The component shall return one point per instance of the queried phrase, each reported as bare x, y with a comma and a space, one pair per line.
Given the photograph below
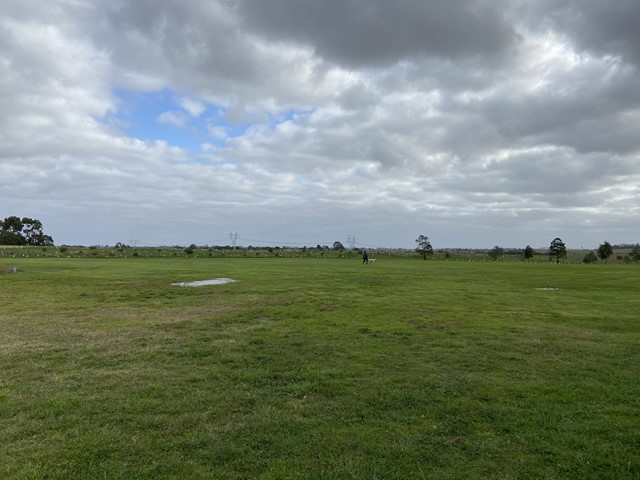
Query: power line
234, 238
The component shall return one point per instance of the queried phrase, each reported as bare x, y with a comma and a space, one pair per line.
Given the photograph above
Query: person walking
365, 257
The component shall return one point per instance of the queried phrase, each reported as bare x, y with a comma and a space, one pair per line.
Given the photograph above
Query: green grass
318, 368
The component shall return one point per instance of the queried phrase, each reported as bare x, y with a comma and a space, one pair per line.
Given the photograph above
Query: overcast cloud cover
297, 122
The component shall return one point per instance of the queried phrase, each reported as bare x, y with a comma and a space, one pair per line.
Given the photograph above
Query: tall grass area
318, 368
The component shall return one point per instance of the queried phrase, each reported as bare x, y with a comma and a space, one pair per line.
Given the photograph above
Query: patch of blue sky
161, 116
156, 116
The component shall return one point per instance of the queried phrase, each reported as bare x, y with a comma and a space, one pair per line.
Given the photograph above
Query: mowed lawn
310, 368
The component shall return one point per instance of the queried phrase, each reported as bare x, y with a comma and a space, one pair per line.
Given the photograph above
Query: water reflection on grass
200, 283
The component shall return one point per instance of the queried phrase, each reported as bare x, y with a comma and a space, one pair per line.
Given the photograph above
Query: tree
496, 252
11, 224
635, 253
605, 251
33, 234
528, 252
557, 249
424, 246
590, 258
11, 238
338, 246
25, 231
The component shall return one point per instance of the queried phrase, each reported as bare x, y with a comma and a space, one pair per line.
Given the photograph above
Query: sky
302, 122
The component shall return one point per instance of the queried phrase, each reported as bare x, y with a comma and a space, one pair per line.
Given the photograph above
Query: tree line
23, 231
557, 250
29, 231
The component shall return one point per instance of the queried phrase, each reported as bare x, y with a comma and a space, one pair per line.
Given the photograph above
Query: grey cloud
200, 48
607, 28
377, 33
156, 36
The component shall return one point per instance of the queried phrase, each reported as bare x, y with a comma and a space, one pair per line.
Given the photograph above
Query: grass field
318, 368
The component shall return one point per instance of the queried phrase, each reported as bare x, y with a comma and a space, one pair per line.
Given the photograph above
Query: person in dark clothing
365, 257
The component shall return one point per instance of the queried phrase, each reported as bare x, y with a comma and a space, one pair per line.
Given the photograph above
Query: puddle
200, 283
548, 289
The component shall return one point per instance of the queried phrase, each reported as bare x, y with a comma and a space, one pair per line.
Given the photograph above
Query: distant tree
635, 253
25, 231
11, 238
557, 249
338, 246
33, 234
12, 224
528, 252
590, 258
605, 251
495, 253
424, 246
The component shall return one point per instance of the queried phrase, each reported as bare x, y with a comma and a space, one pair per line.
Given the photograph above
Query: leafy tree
590, 258
528, 252
338, 246
424, 246
25, 231
12, 224
33, 234
557, 249
11, 238
496, 252
635, 253
605, 251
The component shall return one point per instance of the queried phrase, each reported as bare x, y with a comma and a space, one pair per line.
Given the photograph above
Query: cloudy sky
298, 122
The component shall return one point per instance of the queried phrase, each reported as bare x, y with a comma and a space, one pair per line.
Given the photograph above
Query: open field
318, 368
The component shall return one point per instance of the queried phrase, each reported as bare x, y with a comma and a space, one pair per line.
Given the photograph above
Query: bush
495, 253
590, 257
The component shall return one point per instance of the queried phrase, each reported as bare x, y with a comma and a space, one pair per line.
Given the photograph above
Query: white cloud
194, 107
176, 119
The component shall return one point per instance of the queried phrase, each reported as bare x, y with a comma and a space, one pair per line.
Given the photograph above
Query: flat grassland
318, 368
